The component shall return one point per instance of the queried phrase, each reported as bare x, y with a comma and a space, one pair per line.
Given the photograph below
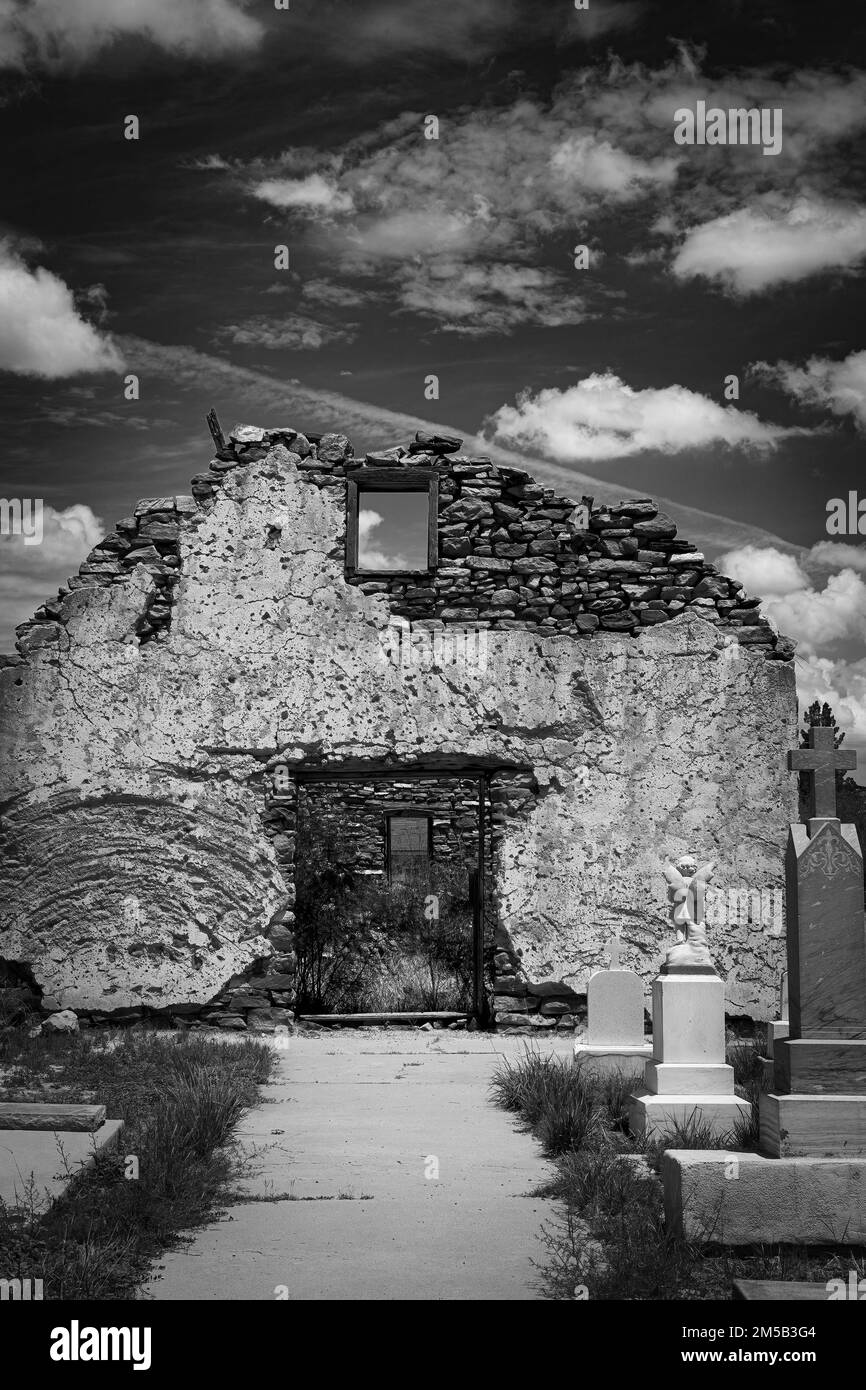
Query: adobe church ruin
221, 653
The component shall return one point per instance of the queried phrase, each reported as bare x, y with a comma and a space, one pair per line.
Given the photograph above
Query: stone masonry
633, 705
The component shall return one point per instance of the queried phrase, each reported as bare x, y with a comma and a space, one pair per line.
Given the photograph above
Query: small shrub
747, 1062
690, 1133
611, 1237
553, 1097
615, 1090
746, 1132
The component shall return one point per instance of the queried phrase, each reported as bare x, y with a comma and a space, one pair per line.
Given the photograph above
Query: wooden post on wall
479, 998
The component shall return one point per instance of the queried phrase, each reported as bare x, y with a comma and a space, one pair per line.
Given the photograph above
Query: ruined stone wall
215, 636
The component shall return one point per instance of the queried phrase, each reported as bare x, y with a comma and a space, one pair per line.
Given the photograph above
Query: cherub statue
687, 886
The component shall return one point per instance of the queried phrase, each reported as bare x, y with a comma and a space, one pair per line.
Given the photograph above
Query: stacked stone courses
512, 554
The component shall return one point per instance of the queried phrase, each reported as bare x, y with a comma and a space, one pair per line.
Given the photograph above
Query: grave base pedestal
813, 1125
606, 1059
688, 1078
653, 1115
677, 1079
820, 1066
747, 1199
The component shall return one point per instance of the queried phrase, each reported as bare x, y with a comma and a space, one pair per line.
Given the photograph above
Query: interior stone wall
355, 813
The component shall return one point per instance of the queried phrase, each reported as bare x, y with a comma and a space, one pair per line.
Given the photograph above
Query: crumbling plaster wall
135, 870
676, 747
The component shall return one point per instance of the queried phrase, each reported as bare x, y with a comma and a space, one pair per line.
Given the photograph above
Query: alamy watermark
743, 907
432, 648
846, 516
22, 517
77, 1343
736, 126
21, 1290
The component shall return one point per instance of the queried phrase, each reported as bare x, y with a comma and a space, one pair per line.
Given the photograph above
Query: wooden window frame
392, 480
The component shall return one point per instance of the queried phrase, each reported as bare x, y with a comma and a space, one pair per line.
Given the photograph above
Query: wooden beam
479, 1000
394, 479
215, 428
467, 771
443, 1016
351, 527
433, 525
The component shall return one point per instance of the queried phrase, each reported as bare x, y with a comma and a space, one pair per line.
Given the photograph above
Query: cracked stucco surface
135, 869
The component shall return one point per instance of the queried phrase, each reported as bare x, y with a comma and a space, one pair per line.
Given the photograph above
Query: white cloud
839, 387
368, 520
29, 574
41, 331
603, 418
820, 109
315, 194
838, 555
209, 161
338, 296
296, 332
814, 617
475, 299
68, 33
504, 181
369, 557
408, 233
817, 618
593, 164
773, 242
765, 571
471, 208
842, 684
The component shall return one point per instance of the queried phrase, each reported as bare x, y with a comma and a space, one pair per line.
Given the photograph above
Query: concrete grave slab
734, 1198
42, 1163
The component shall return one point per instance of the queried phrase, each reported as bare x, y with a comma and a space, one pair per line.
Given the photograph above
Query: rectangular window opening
409, 847
392, 524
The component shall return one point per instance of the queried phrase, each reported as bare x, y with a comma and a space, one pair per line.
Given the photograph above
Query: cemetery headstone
615, 1039
818, 1105
688, 1080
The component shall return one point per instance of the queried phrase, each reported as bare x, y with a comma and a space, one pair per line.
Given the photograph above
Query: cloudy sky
411, 257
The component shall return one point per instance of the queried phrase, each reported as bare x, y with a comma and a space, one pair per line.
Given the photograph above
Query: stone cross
822, 759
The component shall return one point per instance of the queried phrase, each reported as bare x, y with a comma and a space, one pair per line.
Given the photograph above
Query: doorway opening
393, 893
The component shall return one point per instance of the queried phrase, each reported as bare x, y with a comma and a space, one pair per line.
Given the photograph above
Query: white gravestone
688, 1078
615, 1038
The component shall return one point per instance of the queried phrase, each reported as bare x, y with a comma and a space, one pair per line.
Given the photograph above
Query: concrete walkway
345, 1202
